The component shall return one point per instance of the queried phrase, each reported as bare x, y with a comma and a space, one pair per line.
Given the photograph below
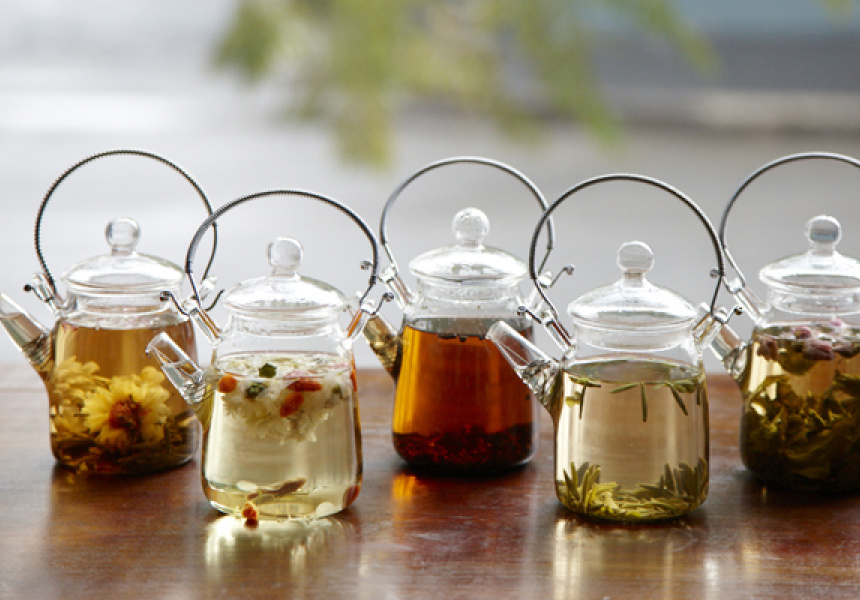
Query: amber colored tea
111, 409
459, 406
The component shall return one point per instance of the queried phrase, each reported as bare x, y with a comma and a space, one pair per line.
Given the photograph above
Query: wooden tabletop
407, 536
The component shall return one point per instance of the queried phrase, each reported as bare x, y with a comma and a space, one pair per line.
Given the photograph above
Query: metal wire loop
383, 234
49, 279
790, 158
210, 222
533, 272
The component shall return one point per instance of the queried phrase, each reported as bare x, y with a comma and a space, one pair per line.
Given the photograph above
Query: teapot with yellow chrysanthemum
111, 410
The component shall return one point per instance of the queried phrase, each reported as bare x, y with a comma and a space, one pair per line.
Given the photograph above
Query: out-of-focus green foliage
352, 62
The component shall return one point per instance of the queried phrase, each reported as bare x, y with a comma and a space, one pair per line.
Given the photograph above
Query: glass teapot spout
31, 337
386, 344
712, 331
189, 379
537, 370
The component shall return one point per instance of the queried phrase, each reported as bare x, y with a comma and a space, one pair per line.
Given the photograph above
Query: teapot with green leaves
628, 397
799, 373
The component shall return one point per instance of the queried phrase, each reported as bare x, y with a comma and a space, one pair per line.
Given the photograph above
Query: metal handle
210, 221
383, 235
718, 272
755, 174
49, 279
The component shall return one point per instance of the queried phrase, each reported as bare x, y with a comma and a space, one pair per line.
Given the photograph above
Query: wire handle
383, 235
49, 279
210, 222
718, 272
754, 175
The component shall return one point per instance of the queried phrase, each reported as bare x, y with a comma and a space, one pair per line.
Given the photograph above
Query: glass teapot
278, 403
110, 410
458, 407
628, 398
799, 374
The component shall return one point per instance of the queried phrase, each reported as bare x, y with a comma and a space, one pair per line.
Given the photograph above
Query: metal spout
30, 336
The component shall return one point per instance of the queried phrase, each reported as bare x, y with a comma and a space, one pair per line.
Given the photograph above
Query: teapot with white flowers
278, 402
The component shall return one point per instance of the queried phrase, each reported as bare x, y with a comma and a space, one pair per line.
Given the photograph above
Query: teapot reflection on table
279, 401
628, 398
458, 407
110, 410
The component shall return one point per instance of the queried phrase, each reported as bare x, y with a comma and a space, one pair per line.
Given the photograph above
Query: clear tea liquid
111, 409
800, 426
284, 438
460, 407
631, 439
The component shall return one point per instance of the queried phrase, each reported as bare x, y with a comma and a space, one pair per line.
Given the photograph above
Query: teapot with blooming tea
110, 409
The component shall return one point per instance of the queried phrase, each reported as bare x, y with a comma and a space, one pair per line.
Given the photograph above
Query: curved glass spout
31, 337
386, 344
189, 379
537, 370
712, 331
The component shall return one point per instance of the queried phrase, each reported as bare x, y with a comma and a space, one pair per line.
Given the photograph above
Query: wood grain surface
408, 535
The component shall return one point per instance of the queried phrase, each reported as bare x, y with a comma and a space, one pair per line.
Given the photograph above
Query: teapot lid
123, 270
632, 302
285, 294
821, 270
469, 261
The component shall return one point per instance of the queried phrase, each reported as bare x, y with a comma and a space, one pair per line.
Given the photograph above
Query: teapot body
800, 373
111, 410
283, 436
800, 421
458, 405
631, 436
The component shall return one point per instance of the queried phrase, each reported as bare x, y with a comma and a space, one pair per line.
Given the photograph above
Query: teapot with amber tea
799, 373
278, 402
628, 398
111, 410
458, 406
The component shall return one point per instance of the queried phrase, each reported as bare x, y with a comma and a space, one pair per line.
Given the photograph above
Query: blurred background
348, 98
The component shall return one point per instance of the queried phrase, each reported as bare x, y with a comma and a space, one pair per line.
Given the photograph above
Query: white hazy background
80, 78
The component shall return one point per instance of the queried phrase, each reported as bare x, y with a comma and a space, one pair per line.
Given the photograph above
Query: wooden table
407, 536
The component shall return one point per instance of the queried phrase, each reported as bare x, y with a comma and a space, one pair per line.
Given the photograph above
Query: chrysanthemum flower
74, 380
130, 410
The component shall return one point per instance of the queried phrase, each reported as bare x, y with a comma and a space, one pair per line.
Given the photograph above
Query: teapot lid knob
470, 227
285, 256
122, 235
635, 258
823, 232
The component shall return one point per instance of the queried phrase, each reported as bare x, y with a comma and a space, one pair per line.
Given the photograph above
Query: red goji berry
305, 384
227, 384
292, 403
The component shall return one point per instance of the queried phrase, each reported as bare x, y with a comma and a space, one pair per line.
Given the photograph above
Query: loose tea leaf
796, 432
677, 492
